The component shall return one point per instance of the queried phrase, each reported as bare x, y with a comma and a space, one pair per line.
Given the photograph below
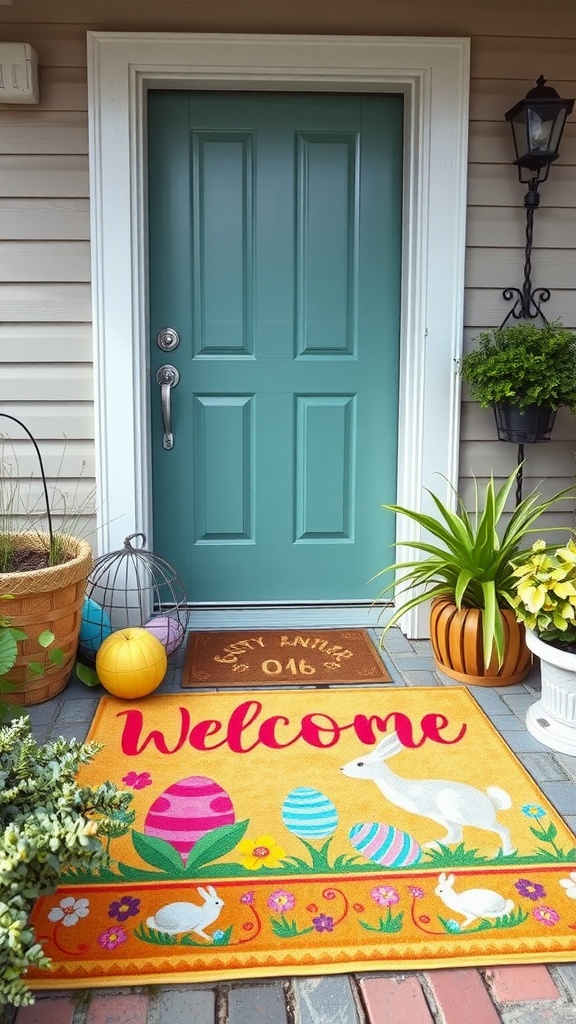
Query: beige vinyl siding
45, 341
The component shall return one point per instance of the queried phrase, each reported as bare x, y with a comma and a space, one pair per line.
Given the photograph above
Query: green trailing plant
48, 824
543, 593
523, 364
10, 637
469, 557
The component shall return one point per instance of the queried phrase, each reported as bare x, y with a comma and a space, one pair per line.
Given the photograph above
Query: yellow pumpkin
131, 663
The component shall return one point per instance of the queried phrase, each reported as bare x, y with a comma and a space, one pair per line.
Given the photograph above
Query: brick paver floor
513, 994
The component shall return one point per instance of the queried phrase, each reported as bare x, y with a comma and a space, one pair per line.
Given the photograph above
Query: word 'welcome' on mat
245, 658
314, 831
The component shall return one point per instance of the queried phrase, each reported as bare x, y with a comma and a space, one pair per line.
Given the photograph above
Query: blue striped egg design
385, 844
309, 814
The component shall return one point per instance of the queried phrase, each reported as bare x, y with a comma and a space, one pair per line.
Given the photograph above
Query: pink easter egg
168, 630
188, 810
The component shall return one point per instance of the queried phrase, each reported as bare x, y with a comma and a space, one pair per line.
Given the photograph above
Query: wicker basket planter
42, 599
456, 638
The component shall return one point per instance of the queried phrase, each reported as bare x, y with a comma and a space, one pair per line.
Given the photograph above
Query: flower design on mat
281, 901
546, 915
247, 898
533, 811
125, 907
218, 935
138, 780
416, 892
323, 923
112, 938
69, 911
532, 890
261, 852
385, 895
569, 884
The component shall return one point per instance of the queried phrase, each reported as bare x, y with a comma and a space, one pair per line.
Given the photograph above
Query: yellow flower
260, 852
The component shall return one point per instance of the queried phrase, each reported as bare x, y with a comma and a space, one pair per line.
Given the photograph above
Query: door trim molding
433, 75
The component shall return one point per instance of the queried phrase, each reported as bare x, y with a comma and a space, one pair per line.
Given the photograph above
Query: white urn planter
552, 719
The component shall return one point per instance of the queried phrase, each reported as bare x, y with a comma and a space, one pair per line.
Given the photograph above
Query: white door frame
433, 76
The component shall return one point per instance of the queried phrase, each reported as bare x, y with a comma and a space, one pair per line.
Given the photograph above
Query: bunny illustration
175, 918
452, 804
472, 903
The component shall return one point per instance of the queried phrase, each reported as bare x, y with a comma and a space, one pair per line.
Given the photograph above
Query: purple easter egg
188, 810
168, 630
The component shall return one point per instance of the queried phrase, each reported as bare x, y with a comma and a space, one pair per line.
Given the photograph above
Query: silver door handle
167, 377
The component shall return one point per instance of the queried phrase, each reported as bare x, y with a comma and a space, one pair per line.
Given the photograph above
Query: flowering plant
545, 593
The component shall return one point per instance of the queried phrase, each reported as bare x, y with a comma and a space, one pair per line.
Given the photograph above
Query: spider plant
471, 564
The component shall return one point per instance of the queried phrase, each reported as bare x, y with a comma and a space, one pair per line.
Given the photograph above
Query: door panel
275, 228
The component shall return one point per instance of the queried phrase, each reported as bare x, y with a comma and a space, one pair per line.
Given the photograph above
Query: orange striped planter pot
457, 642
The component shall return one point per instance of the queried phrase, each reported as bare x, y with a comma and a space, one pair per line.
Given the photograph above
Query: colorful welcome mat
243, 658
321, 831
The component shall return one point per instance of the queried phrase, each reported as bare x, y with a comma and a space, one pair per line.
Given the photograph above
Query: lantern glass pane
557, 129
520, 134
540, 124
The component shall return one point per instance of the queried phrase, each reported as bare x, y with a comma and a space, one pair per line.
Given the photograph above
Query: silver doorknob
167, 377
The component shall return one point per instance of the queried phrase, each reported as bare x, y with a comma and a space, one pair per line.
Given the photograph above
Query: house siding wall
45, 309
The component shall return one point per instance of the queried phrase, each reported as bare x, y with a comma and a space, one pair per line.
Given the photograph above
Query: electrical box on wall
18, 73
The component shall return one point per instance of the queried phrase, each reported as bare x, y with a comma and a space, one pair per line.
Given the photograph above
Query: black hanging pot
530, 425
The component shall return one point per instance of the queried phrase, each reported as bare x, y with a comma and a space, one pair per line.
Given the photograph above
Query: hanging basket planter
531, 425
456, 637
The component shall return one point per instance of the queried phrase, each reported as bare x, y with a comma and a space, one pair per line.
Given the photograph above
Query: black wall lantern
537, 124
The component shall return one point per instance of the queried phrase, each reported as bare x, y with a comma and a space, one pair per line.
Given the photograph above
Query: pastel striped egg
384, 844
309, 814
188, 810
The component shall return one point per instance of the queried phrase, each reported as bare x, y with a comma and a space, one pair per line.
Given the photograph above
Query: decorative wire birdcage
133, 587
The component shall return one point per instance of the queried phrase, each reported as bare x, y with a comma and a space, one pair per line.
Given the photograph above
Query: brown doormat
241, 658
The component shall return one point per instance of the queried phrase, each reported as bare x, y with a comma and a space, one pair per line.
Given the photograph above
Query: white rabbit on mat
452, 804
176, 918
473, 903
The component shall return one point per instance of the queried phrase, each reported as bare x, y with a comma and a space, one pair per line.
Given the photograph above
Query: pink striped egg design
385, 844
188, 810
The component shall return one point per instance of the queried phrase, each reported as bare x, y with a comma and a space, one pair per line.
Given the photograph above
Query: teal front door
275, 249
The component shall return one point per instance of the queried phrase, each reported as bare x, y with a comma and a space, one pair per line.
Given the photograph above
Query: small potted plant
544, 599
48, 824
525, 373
467, 574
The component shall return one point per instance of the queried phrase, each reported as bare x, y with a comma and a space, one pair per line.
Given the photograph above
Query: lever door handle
167, 377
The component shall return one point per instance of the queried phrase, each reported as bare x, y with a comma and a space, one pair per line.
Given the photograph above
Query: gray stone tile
506, 723
522, 742
396, 643
489, 701
539, 1013
519, 703
77, 711
543, 768
568, 763
423, 648
325, 1001
406, 662
43, 714
415, 678
73, 731
562, 795
566, 974
185, 1005
255, 1003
